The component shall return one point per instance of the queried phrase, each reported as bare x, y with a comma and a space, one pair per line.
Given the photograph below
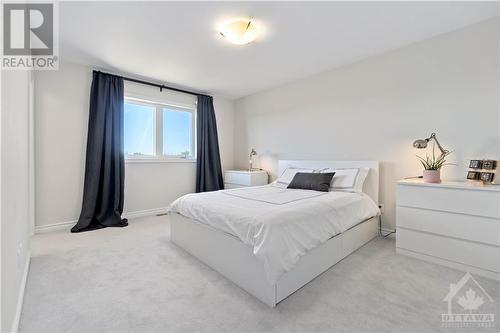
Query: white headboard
372, 180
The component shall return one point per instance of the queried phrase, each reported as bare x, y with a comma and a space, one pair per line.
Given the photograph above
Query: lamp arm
433, 137
250, 160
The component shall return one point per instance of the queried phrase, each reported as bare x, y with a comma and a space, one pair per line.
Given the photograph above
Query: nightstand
241, 178
456, 224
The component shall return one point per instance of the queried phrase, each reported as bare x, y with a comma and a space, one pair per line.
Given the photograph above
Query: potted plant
432, 166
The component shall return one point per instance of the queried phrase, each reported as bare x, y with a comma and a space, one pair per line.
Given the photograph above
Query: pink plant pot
432, 176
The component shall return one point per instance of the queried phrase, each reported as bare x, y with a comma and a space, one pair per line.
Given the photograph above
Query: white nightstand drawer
238, 178
228, 186
468, 201
455, 250
476, 228
245, 178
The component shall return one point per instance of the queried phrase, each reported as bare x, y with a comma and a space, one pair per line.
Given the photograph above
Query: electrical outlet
381, 206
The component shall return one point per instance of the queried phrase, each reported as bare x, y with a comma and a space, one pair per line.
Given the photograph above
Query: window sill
159, 160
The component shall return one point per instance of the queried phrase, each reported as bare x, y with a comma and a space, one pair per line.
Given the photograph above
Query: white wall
374, 109
15, 192
62, 102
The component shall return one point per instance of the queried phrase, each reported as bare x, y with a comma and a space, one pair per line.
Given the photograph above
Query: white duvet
280, 224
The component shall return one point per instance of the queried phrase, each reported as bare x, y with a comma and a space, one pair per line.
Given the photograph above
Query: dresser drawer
459, 251
476, 228
472, 202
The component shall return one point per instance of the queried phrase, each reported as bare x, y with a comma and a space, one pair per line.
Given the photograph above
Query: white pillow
360, 181
348, 179
287, 175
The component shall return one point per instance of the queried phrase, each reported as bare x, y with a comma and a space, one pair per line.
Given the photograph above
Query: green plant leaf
433, 162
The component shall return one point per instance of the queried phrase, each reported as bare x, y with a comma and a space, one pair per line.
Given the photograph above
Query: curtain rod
161, 86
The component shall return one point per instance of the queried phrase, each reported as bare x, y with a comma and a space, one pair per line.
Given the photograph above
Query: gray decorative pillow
312, 181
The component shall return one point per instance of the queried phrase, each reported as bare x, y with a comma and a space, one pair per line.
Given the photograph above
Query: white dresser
456, 224
242, 178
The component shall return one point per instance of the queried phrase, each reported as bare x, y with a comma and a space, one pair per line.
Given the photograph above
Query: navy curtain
104, 168
208, 166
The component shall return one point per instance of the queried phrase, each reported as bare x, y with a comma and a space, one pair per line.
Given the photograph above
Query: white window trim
158, 140
159, 160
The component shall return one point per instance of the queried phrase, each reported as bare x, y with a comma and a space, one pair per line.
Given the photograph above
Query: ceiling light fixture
239, 31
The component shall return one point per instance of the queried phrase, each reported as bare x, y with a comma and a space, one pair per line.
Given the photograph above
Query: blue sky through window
140, 130
177, 126
139, 127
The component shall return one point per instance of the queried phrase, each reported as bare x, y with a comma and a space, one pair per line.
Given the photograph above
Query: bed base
233, 259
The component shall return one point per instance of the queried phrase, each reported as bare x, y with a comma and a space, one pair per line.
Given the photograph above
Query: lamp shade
420, 144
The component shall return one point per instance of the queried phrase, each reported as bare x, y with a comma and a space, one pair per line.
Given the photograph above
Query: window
177, 132
139, 129
156, 131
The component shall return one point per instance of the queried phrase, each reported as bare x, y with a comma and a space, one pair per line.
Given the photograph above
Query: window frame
159, 105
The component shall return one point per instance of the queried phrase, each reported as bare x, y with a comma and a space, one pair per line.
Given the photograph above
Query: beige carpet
134, 280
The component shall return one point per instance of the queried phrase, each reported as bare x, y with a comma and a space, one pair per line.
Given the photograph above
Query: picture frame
486, 177
489, 165
476, 164
473, 175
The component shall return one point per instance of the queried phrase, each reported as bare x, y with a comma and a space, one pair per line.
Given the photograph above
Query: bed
218, 228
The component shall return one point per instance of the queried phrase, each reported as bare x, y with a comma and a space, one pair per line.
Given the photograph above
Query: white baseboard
68, 224
39, 229
20, 297
147, 212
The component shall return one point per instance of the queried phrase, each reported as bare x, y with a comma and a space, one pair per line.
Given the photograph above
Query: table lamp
422, 144
252, 154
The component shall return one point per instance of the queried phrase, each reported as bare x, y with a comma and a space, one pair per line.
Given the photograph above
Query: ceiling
178, 43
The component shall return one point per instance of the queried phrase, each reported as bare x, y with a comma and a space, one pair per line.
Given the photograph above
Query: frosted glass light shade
238, 31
